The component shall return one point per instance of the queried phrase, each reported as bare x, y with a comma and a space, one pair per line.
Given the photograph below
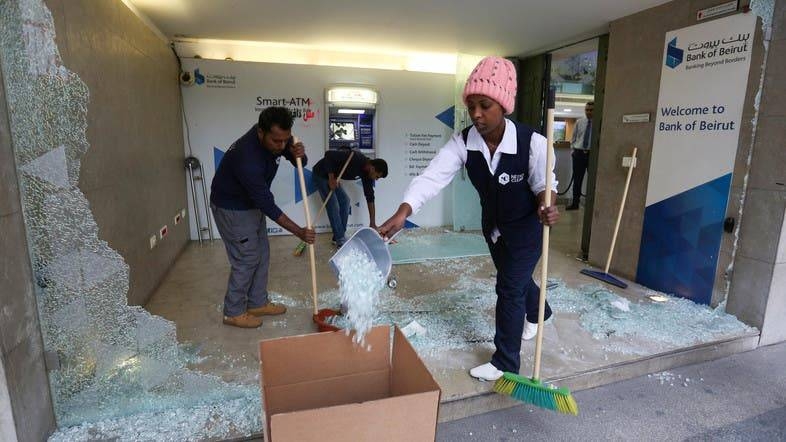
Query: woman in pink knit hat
506, 163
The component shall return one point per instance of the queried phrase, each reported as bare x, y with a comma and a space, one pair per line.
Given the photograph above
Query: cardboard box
322, 387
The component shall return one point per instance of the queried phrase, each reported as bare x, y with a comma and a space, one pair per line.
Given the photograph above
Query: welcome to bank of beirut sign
704, 76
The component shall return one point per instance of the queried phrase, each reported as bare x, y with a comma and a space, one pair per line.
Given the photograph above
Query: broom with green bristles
302, 246
522, 388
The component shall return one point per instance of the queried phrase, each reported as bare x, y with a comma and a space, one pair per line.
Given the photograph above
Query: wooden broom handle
622, 206
311, 255
544, 258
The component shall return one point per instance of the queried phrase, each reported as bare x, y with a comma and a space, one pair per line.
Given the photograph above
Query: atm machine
351, 122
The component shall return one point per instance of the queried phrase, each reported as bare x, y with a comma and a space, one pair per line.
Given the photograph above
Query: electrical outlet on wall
153, 241
626, 162
163, 232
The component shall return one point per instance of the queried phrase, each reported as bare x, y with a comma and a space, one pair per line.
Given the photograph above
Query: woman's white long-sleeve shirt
453, 156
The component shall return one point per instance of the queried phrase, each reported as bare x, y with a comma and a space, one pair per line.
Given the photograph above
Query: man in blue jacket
240, 198
325, 177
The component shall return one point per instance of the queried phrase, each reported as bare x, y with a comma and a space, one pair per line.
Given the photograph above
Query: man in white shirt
580, 143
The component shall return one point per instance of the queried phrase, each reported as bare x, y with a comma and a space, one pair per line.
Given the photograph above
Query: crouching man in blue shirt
326, 173
240, 198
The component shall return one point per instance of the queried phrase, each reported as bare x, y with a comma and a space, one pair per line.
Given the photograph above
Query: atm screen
342, 131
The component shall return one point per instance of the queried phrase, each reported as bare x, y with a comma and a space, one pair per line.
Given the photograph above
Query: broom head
534, 392
299, 249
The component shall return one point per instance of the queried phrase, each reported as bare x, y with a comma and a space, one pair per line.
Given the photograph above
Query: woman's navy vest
506, 199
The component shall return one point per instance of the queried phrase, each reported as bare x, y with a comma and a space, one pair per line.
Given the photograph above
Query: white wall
409, 102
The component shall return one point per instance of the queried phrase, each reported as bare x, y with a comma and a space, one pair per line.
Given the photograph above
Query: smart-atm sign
302, 108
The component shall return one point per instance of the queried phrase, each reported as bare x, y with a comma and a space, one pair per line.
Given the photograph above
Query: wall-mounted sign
420, 150
352, 95
704, 73
714, 11
636, 118
219, 115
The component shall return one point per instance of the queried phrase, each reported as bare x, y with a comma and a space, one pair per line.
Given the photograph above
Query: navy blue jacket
506, 200
243, 178
333, 162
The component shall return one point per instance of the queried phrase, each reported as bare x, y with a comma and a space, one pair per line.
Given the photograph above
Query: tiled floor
192, 295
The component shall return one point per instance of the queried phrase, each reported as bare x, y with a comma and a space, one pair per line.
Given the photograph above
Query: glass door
466, 203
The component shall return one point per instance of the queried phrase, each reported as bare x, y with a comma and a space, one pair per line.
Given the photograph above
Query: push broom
311, 253
604, 275
319, 315
302, 246
533, 390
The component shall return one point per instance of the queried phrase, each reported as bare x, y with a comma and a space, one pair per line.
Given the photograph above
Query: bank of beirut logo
674, 54
198, 78
504, 178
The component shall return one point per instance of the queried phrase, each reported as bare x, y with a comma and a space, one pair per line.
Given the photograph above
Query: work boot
271, 308
243, 320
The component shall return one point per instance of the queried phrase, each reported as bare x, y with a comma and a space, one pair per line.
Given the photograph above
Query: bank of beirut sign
708, 53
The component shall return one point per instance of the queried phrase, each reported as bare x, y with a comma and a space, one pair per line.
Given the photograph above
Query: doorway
577, 73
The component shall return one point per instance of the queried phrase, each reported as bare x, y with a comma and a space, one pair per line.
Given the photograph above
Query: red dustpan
323, 319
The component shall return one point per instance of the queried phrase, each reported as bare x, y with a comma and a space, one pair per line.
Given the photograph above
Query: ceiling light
317, 55
567, 110
351, 111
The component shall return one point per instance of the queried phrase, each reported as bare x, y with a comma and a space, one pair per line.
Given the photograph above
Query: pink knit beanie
494, 77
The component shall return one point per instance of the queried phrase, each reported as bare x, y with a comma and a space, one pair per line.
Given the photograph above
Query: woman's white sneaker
530, 330
486, 372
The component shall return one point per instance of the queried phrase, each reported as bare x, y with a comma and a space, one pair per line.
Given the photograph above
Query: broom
532, 390
302, 246
605, 276
311, 253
